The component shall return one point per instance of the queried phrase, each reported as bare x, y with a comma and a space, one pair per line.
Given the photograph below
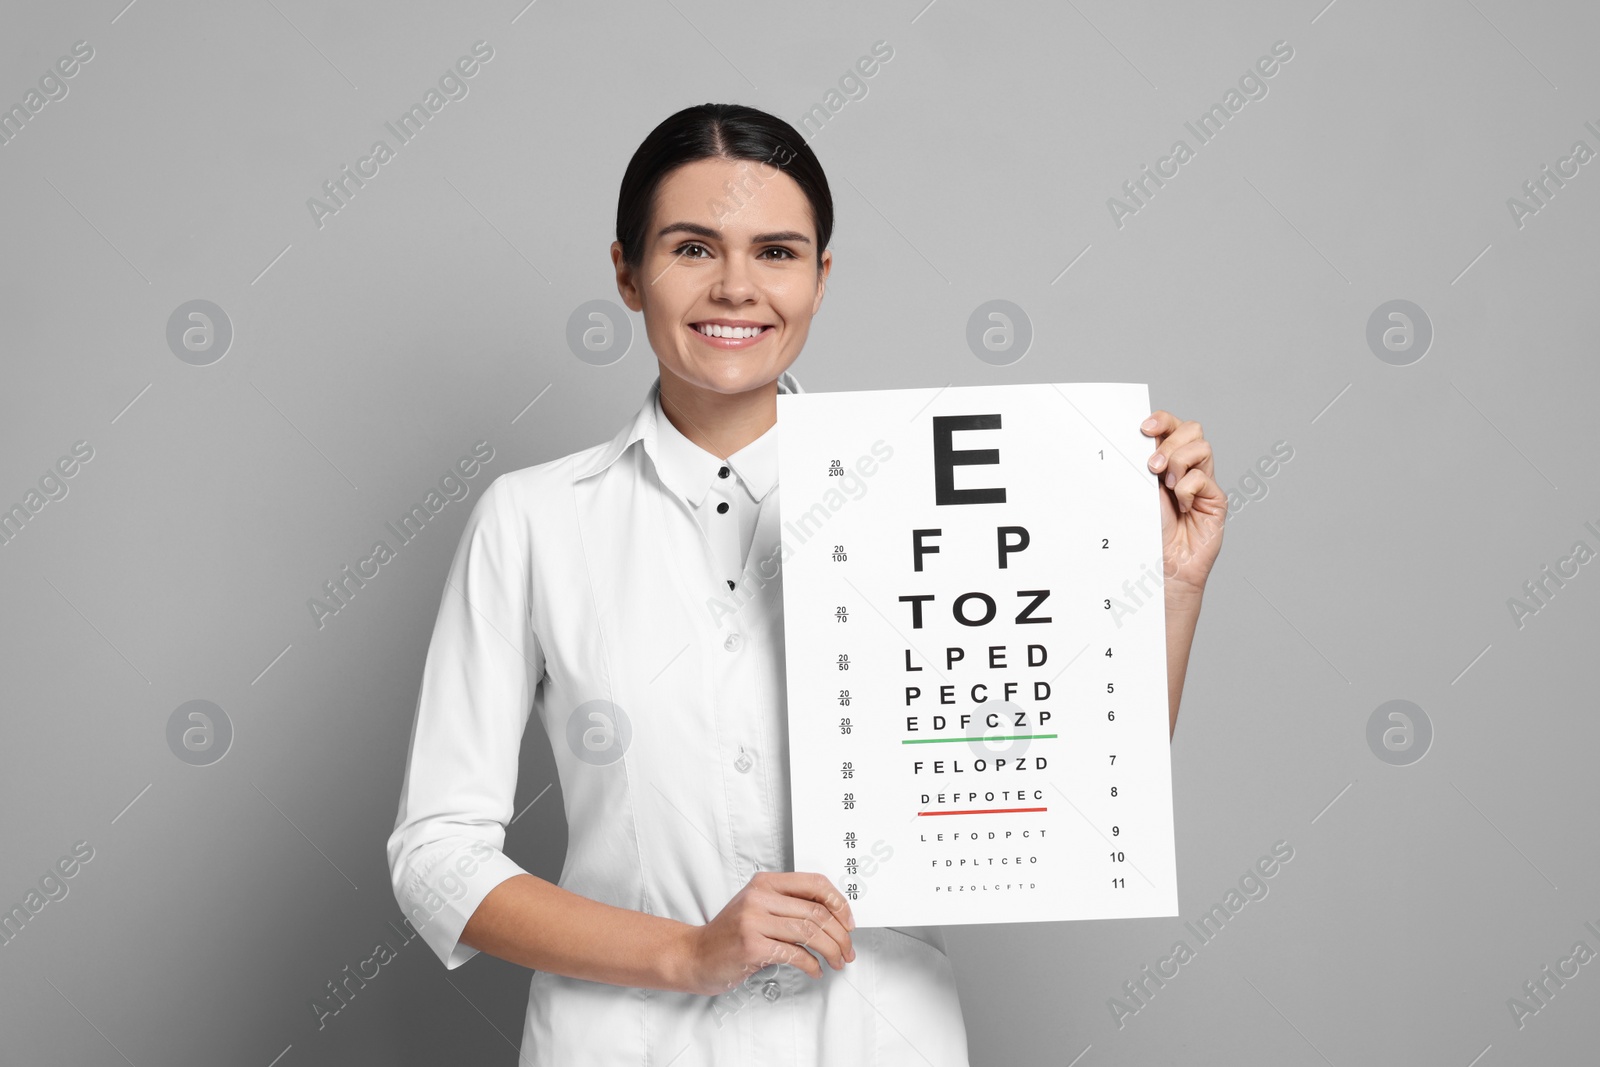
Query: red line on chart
981, 811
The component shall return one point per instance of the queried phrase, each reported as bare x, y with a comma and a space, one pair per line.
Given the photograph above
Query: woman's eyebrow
710, 234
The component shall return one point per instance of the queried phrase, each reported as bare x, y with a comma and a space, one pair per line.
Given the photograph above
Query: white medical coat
584, 591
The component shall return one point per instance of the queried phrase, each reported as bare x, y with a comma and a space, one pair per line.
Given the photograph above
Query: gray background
370, 353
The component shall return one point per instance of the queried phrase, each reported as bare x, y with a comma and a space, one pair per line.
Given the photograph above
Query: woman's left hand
1193, 506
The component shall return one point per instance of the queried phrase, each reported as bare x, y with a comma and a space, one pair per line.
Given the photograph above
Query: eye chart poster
975, 650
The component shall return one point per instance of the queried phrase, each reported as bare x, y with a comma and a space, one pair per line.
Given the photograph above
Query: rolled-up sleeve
483, 665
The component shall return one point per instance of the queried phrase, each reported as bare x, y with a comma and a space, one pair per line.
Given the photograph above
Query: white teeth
729, 331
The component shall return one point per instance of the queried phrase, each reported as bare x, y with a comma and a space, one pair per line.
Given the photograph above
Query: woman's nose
733, 281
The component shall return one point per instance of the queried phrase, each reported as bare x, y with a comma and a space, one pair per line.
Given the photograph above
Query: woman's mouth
720, 336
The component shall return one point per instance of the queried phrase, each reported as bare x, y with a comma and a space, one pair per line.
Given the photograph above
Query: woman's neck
720, 423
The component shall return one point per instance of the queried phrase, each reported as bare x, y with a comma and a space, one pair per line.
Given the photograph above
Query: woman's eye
695, 246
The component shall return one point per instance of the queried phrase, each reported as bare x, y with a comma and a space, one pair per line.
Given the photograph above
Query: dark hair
721, 131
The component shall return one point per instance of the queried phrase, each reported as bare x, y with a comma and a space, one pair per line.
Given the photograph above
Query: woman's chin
729, 380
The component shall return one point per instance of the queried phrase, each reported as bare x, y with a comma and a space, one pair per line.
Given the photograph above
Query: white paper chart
975, 642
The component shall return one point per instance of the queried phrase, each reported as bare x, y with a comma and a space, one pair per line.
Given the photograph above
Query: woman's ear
626, 286
825, 265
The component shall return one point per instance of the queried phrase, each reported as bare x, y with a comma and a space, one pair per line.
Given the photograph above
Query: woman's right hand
773, 919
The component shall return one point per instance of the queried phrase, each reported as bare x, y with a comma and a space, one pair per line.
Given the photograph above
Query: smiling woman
678, 931
727, 293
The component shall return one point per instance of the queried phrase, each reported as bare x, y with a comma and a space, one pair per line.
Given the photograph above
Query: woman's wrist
677, 961
1181, 596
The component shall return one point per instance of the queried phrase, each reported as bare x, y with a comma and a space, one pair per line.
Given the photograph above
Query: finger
812, 925
781, 951
815, 898
1159, 422
811, 886
1182, 434
795, 941
1198, 491
1195, 454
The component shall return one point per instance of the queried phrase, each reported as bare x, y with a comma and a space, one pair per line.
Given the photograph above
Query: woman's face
730, 242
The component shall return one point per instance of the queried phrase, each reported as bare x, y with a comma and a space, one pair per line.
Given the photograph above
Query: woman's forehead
736, 197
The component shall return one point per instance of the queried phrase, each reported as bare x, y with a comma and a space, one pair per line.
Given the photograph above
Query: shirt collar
757, 463
759, 469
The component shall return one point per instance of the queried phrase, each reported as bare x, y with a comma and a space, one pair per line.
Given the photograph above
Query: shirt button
733, 642
771, 989
742, 763
722, 508
722, 472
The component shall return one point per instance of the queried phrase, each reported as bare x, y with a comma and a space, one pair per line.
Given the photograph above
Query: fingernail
1158, 461
1148, 424
1170, 479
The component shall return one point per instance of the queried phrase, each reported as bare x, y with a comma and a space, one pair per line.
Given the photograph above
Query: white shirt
584, 590
725, 495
